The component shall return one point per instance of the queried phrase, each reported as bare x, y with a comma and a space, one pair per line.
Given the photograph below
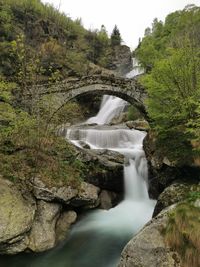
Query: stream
99, 237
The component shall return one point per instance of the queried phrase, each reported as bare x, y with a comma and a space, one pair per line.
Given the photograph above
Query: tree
115, 37
173, 103
147, 31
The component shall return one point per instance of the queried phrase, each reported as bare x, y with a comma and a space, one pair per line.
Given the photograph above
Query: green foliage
28, 147
115, 36
32, 30
154, 45
133, 113
172, 53
99, 46
193, 196
38, 44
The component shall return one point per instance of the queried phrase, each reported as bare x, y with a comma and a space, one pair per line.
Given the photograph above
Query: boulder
87, 196
108, 199
42, 191
42, 235
174, 193
16, 218
141, 125
64, 222
104, 168
148, 249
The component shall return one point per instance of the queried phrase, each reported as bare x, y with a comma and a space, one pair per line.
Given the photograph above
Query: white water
119, 224
136, 208
111, 107
98, 239
137, 70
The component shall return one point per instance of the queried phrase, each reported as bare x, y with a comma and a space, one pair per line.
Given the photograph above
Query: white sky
131, 16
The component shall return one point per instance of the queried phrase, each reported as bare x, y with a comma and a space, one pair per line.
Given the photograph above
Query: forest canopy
170, 54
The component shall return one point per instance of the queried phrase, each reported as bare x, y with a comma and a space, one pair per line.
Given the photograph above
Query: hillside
41, 37
37, 44
169, 52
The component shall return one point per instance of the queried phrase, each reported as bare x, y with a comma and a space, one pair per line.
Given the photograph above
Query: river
99, 237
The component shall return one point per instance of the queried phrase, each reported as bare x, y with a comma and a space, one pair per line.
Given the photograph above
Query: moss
55, 163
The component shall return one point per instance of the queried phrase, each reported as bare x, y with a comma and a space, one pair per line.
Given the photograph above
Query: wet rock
108, 199
16, 218
121, 118
148, 249
42, 235
141, 125
85, 146
105, 168
87, 196
64, 222
174, 193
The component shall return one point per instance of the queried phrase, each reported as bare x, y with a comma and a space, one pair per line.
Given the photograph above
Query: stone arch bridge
127, 89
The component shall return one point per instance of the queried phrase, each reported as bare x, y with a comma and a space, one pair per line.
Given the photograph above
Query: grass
183, 231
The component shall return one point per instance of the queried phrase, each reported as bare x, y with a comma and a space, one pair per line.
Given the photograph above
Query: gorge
86, 181
99, 236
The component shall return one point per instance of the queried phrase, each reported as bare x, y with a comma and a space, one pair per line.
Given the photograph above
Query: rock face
148, 249
162, 171
121, 61
66, 219
37, 224
16, 218
86, 195
105, 168
42, 235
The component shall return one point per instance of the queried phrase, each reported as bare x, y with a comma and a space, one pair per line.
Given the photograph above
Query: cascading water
111, 107
102, 234
110, 230
98, 239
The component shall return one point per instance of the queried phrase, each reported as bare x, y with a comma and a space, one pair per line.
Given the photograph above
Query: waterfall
119, 224
110, 230
111, 107
99, 237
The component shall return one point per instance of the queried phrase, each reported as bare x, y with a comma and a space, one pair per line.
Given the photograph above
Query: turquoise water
86, 249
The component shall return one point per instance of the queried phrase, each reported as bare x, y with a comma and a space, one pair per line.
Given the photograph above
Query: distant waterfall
112, 106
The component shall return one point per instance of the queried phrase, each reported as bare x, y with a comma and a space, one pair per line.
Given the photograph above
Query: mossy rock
16, 218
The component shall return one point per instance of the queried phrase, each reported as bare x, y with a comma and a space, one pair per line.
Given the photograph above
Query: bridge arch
127, 89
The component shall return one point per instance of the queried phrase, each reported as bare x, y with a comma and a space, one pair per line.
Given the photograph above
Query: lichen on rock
16, 218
